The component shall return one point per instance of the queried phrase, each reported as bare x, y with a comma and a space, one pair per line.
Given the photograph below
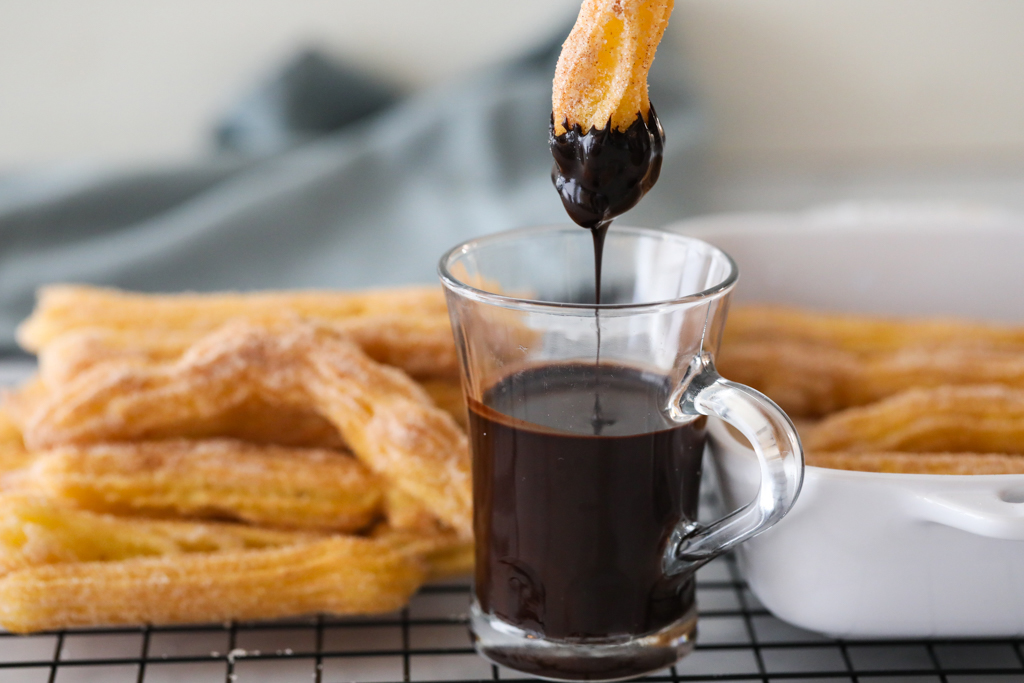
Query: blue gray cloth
374, 202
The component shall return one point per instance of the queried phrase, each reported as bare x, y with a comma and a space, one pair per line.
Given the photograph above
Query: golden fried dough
80, 350
10, 435
455, 559
865, 334
420, 344
35, 530
934, 396
948, 419
601, 75
387, 420
107, 462
806, 381
809, 380
406, 513
920, 463
254, 420
448, 396
446, 553
62, 308
337, 574
13, 455
219, 479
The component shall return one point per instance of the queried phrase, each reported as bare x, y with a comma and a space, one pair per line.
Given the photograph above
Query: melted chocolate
603, 173
571, 528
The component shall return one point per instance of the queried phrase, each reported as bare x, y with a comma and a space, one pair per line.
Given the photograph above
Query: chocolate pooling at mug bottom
600, 174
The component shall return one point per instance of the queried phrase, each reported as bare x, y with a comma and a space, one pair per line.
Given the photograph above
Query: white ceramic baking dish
868, 554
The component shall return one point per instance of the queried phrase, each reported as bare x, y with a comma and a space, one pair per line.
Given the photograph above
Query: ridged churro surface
74, 327
808, 380
61, 308
340, 574
37, 530
920, 463
601, 76
13, 454
866, 334
967, 419
386, 419
219, 479
925, 396
189, 458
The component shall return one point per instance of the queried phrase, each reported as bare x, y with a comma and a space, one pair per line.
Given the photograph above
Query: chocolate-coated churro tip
605, 136
601, 76
604, 173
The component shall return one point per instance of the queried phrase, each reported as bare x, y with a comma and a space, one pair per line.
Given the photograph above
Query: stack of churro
210, 457
919, 396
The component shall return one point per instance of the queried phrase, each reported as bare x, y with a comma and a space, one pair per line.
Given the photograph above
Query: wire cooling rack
738, 640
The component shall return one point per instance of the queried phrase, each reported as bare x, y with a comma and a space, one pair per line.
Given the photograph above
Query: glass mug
587, 426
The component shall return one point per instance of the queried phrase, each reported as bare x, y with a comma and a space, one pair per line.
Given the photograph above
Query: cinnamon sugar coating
386, 419
601, 76
76, 326
271, 486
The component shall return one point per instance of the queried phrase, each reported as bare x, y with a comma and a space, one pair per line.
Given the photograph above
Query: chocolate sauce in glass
579, 477
571, 527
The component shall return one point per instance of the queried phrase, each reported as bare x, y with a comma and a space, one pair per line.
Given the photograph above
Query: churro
805, 382
427, 356
13, 454
116, 499
10, 435
385, 418
605, 136
406, 513
75, 327
866, 334
968, 419
36, 530
253, 421
337, 574
449, 397
219, 479
61, 308
920, 463
601, 76
809, 380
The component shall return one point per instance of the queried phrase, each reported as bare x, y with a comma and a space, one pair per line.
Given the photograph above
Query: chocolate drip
599, 421
603, 173
599, 175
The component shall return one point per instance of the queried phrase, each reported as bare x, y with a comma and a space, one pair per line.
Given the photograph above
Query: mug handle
779, 453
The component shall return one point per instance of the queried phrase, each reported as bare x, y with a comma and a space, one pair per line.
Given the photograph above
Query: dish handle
990, 513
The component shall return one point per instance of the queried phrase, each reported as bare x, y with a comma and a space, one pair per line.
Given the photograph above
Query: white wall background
860, 80
840, 82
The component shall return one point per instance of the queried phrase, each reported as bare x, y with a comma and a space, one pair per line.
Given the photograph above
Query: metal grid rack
738, 641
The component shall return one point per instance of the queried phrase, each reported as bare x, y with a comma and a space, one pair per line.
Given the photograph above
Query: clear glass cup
587, 425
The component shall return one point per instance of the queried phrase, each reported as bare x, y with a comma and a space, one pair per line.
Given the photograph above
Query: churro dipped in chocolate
605, 136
